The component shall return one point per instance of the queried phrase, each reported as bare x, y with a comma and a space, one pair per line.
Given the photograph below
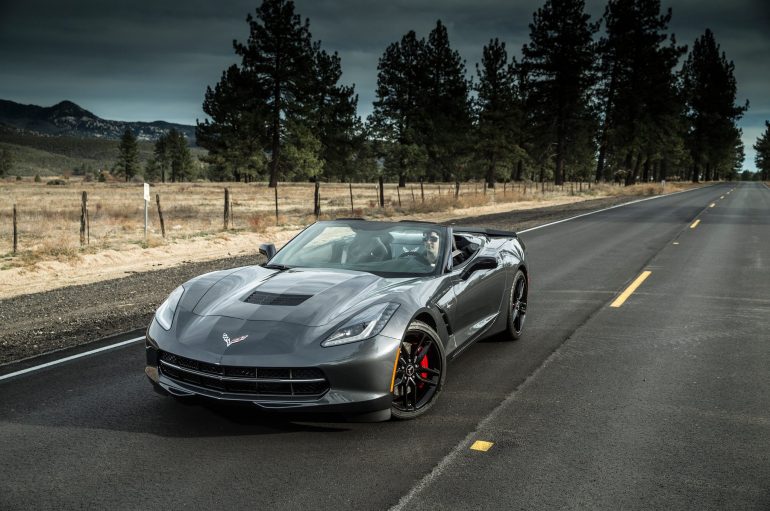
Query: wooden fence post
382, 192
83, 215
276, 202
398, 192
317, 200
160, 215
227, 208
350, 187
457, 189
15, 231
413, 201
422, 191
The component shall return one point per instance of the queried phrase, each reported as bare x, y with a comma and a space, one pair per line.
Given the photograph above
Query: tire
517, 306
420, 372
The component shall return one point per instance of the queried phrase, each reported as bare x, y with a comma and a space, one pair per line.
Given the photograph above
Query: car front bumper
358, 379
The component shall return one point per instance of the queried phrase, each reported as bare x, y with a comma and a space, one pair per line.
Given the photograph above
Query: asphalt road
663, 402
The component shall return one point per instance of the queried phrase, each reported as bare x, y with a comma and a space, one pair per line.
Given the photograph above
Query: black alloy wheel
517, 311
420, 372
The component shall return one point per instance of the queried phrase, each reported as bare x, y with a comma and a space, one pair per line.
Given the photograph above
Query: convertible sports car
351, 316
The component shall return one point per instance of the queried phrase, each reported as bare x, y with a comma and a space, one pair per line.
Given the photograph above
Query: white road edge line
117, 345
72, 357
607, 209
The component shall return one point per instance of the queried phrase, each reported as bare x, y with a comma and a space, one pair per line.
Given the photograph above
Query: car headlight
363, 326
165, 313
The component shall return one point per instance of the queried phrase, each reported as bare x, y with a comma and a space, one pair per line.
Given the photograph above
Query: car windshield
383, 248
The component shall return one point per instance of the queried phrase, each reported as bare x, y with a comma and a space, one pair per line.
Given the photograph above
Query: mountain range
68, 119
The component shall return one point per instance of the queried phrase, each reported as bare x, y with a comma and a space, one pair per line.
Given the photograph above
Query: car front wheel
420, 372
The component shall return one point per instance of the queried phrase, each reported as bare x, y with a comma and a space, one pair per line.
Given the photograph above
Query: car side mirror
267, 250
482, 263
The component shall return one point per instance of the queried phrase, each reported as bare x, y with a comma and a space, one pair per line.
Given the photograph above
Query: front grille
261, 298
260, 381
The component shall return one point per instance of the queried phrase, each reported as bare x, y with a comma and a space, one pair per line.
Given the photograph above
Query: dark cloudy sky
148, 60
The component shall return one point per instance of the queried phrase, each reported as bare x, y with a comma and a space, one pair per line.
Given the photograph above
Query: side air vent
260, 298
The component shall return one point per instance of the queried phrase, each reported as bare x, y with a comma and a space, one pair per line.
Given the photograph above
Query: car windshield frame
389, 242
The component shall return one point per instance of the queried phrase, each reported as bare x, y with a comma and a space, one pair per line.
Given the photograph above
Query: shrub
37, 178
57, 182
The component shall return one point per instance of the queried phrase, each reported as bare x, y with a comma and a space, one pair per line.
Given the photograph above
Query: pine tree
762, 158
444, 107
236, 136
6, 162
334, 118
641, 101
128, 156
558, 73
179, 158
710, 89
283, 91
394, 122
498, 131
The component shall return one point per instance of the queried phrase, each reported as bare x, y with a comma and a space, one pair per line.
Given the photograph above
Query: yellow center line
722, 197
695, 224
481, 445
620, 300
712, 205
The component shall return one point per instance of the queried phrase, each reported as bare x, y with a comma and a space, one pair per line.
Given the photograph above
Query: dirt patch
42, 322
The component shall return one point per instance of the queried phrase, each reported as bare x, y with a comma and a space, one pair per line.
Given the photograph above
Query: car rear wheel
420, 372
517, 305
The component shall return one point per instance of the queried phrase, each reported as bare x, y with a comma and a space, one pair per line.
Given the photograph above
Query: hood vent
261, 298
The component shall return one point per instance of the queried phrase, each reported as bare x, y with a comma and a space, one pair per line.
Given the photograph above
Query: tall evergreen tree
179, 158
641, 101
334, 117
6, 162
275, 102
558, 68
396, 118
445, 108
710, 89
237, 135
499, 114
128, 156
762, 158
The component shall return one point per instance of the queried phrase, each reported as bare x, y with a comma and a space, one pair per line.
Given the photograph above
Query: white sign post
146, 200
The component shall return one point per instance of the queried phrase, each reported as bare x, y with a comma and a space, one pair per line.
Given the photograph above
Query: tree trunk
275, 145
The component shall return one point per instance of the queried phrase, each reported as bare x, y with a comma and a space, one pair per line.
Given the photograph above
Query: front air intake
257, 381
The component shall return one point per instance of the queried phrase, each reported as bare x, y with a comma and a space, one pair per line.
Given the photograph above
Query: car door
478, 292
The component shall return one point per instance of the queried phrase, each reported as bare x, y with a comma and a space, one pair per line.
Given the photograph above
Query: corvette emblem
229, 341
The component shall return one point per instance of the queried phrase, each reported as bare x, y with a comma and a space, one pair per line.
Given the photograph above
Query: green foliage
710, 91
557, 80
37, 178
499, 113
762, 158
284, 88
6, 162
639, 90
422, 108
128, 160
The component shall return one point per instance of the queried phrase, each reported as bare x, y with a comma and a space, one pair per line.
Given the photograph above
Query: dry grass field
48, 217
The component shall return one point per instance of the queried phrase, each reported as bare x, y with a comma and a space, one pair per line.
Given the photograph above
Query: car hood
308, 297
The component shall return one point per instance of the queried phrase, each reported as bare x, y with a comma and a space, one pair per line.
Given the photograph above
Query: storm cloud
147, 60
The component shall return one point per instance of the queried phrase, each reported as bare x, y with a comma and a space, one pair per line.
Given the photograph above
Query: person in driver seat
432, 246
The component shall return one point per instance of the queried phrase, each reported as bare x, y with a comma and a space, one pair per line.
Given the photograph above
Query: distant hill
48, 155
70, 120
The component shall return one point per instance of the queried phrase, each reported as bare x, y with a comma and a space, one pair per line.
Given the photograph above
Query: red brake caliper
423, 363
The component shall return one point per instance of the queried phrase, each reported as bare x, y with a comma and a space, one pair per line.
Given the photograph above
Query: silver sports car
351, 316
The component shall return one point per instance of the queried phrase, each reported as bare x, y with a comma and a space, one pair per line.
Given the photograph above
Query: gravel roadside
39, 323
